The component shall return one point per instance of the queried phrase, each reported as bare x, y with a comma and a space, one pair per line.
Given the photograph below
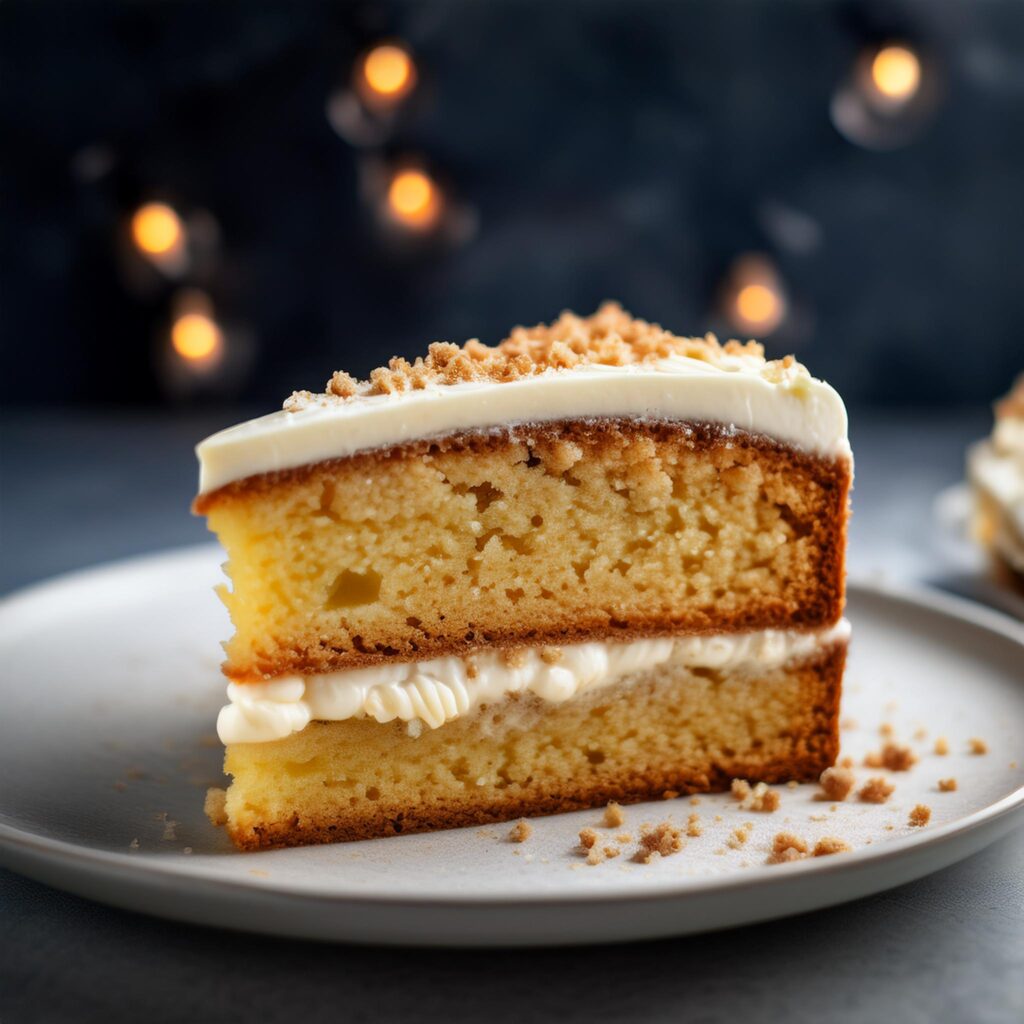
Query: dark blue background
626, 150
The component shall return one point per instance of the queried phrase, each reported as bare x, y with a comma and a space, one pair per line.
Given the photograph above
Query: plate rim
154, 872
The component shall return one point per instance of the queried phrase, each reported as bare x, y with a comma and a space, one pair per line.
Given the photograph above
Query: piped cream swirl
430, 693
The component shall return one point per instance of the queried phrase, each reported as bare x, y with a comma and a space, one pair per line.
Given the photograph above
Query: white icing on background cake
996, 468
738, 391
430, 693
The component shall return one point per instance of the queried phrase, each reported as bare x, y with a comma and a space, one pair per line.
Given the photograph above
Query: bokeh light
414, 199
385, 75
197, 338
157, 229
754, 296
896, 73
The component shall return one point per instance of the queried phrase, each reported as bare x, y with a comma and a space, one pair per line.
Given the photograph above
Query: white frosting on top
996, 468
741, 392
430, 693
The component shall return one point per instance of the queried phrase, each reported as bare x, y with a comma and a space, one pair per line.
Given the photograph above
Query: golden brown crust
811, 745
816, 602
610, 337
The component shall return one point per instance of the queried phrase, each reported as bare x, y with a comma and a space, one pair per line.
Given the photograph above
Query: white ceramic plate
109, 691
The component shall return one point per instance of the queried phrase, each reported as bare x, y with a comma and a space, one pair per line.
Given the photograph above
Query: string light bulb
414, 199
386, 74
157, 230
896, 74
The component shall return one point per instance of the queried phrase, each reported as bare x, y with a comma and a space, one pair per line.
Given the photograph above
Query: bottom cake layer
670, 730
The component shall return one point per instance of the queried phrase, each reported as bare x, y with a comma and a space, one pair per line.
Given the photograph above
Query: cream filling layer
996, 468
430, 693
739, 392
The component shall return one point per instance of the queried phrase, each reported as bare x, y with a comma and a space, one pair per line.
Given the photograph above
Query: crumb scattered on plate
520, 831
613, 816
876, 790
836, 783
920, 815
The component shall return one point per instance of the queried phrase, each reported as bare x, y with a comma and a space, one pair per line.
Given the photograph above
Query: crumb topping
876, 790
609, 337
836, 783
920, 815
520, 832
1012, 406
613, 816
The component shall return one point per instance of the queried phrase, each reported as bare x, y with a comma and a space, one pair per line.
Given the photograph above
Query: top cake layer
608, 365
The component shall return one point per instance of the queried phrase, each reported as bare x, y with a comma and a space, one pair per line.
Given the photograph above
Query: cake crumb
170, 830
847, 762
920, 815
551, 655
739, 836
836, 784
828, 845
694, 827
695, 800
740, 789
718, 817
660, 841
758, 798
977, 746
624, 837
942, 746
947, 785
670, 794
848, 723
613, 816
611, 851
892, 756
921, 733
134, 844
787, 847
587, 838
886, 729
876, 790
520, 831
792, 784
214, 805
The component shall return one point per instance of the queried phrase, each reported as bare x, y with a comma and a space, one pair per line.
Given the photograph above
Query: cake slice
597, 561
995, 469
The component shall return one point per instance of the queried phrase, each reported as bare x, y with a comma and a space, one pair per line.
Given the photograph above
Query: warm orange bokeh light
196, 337
896, 73
413, 198
156, 229
758, 305
388, 71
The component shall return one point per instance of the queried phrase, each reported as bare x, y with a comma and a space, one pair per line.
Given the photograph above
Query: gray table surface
76, 489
